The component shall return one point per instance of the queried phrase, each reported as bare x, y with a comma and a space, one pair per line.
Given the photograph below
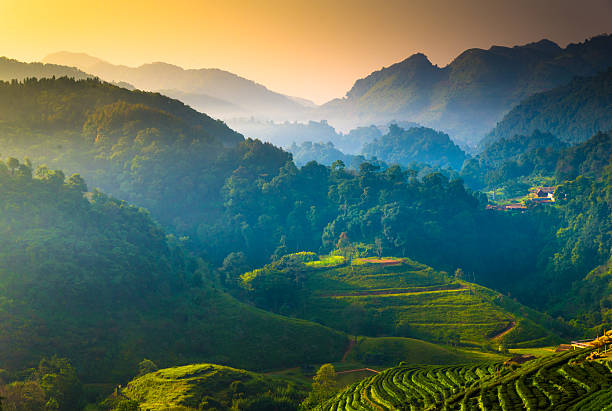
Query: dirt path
357, 370
422, 290
348, 349
505, 331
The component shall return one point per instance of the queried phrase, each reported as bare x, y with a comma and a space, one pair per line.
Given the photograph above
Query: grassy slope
186, 386
201, 325
413, 300
392, 350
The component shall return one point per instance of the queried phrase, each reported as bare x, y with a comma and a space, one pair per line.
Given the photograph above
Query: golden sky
314, 49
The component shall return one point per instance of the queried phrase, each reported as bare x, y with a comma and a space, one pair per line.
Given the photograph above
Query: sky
313, 49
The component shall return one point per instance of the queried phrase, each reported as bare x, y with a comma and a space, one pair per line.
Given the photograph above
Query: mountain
233, 199
16, 70
212, 91
102, 111
127, 143
287, 133
94, 279
573, 112
468, 96
212, 106
415, 145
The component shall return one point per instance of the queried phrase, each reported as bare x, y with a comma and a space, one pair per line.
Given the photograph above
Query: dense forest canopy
521, 161
11, 69
251, 198
92, 278
415, 145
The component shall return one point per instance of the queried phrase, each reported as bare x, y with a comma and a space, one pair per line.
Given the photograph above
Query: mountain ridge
469, 95
588, 99
253, 97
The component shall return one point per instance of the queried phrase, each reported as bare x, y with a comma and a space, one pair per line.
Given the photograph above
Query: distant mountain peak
215, 91
467, 97
544, 45
82, 61
416, 60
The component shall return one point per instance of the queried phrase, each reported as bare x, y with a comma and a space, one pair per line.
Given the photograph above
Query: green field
389, 351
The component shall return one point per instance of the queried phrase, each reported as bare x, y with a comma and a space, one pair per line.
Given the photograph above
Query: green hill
514, 164
94, 279
416, 144
391, 297
207, 386
16, 70
562, 381
49, 106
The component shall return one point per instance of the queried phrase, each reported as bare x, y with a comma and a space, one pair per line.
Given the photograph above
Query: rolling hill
207, 386
467, 97
11, 69
94, 279
392, 297
128, 143
216, 92
415, 145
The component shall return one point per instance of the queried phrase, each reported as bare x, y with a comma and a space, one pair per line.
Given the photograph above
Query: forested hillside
515, 164
467, 97
572, 112
585, 245
11, 69
323, 153
248, 197
415, 145
142, 147
94, 279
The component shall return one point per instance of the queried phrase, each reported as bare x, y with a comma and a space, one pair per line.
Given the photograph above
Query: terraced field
410, 387
409, 299
398, 297
565, 381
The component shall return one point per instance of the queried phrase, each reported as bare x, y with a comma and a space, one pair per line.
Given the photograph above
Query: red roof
516, 207
542, 200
